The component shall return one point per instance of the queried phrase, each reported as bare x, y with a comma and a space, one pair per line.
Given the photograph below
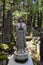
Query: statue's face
21, 20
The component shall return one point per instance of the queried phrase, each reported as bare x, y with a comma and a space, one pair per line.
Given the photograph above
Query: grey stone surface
12, 61
20, 41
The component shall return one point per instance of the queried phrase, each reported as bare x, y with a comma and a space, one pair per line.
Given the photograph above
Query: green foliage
1, 3
3, 57
7, 47
17, 13
12, 43
4, 46
23, 9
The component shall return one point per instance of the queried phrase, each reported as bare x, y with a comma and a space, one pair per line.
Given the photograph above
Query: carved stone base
20, 56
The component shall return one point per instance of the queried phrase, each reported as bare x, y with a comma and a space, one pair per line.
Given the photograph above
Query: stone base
20, 56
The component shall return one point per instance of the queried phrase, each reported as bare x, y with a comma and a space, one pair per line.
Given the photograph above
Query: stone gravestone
21, 54
7, 28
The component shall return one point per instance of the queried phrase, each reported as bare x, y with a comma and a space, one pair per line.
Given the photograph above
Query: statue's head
21, 19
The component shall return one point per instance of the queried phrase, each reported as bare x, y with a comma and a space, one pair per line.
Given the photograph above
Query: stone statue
21, 53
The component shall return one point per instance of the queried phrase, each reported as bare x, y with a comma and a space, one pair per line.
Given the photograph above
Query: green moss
7, 47
0, 46
12, 43
4, 46
3, 57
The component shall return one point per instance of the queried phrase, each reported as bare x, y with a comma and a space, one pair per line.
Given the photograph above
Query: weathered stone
20, 54
20, 39
12, 62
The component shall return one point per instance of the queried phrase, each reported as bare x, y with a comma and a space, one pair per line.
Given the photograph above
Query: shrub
3, 57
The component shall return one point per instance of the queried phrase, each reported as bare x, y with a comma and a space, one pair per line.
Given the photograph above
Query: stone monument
20, 54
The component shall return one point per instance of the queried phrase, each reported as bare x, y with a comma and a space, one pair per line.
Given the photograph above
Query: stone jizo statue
21, 54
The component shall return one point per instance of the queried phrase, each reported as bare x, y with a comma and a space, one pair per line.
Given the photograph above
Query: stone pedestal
12, 62
20, 56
